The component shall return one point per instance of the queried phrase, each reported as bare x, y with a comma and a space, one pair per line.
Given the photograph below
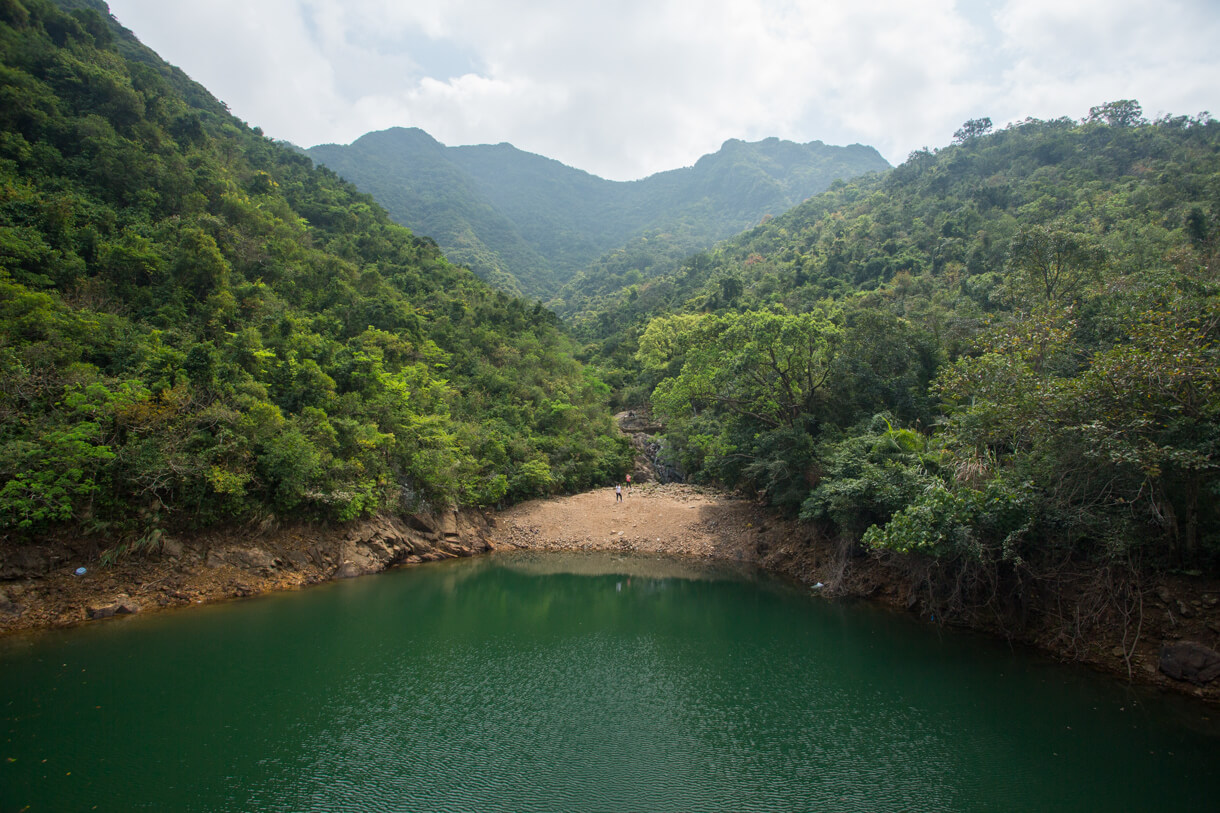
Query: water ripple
479, 687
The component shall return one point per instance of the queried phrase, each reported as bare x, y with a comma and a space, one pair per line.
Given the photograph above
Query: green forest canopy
1002, 354
527, 223
197, 326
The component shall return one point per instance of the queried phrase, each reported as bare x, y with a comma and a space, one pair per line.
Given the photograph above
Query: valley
991, 371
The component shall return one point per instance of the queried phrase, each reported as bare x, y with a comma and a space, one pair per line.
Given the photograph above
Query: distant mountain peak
528, 223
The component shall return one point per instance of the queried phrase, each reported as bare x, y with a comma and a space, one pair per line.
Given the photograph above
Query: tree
1053, 264
730, 289
1123, 113
972, 129
768, 366
1149, 410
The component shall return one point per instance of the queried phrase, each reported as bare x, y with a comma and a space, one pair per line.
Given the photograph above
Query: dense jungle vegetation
1001, 356
197, 326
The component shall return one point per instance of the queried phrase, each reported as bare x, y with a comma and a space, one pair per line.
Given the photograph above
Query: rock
23, 562
105, 611
297, 558
7, 605
347, 570
1162, 593
1184, 610
250, 558
421, 523
171, 548
214, 559
633, 422
126, 608
1190, 661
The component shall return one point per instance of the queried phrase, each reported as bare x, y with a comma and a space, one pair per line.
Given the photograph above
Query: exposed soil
673, 519
39, 587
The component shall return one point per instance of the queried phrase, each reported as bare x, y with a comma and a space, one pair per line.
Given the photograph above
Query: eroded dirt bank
39, 585
1178, 624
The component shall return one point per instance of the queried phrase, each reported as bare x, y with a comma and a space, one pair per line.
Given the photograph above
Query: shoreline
672, 520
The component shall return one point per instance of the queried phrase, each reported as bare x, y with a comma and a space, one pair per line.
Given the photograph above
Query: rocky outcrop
641, 429
122, 606
26, 561
1190, 661
638, 422
47, 584
369, 546
373, 546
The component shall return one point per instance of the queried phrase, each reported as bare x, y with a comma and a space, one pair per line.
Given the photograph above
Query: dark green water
555, 683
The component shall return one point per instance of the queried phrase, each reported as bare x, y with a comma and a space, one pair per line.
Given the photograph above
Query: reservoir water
562, 682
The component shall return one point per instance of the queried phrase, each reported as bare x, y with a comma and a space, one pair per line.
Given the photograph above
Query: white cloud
1066, 57
633, 87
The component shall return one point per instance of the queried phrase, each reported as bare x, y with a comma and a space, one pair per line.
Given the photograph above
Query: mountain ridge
528, 223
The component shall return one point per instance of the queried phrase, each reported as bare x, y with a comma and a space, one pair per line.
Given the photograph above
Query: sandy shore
672, 519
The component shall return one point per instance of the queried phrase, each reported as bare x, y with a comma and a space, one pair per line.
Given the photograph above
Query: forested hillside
527, 224
1000, 358
198, 327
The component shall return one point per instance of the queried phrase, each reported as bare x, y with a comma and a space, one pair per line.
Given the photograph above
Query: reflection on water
561, 682
654, 567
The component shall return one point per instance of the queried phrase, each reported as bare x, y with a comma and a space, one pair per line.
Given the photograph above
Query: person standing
618, 493
628, 483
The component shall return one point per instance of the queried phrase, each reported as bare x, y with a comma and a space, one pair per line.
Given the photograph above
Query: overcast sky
627, 88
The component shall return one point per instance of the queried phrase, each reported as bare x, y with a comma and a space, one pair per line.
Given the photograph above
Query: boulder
23, 562
1190, 661
122, 605
297, 558
250, 558
348, 570
633, 422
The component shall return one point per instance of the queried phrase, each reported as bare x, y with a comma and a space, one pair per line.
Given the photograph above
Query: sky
627, 88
